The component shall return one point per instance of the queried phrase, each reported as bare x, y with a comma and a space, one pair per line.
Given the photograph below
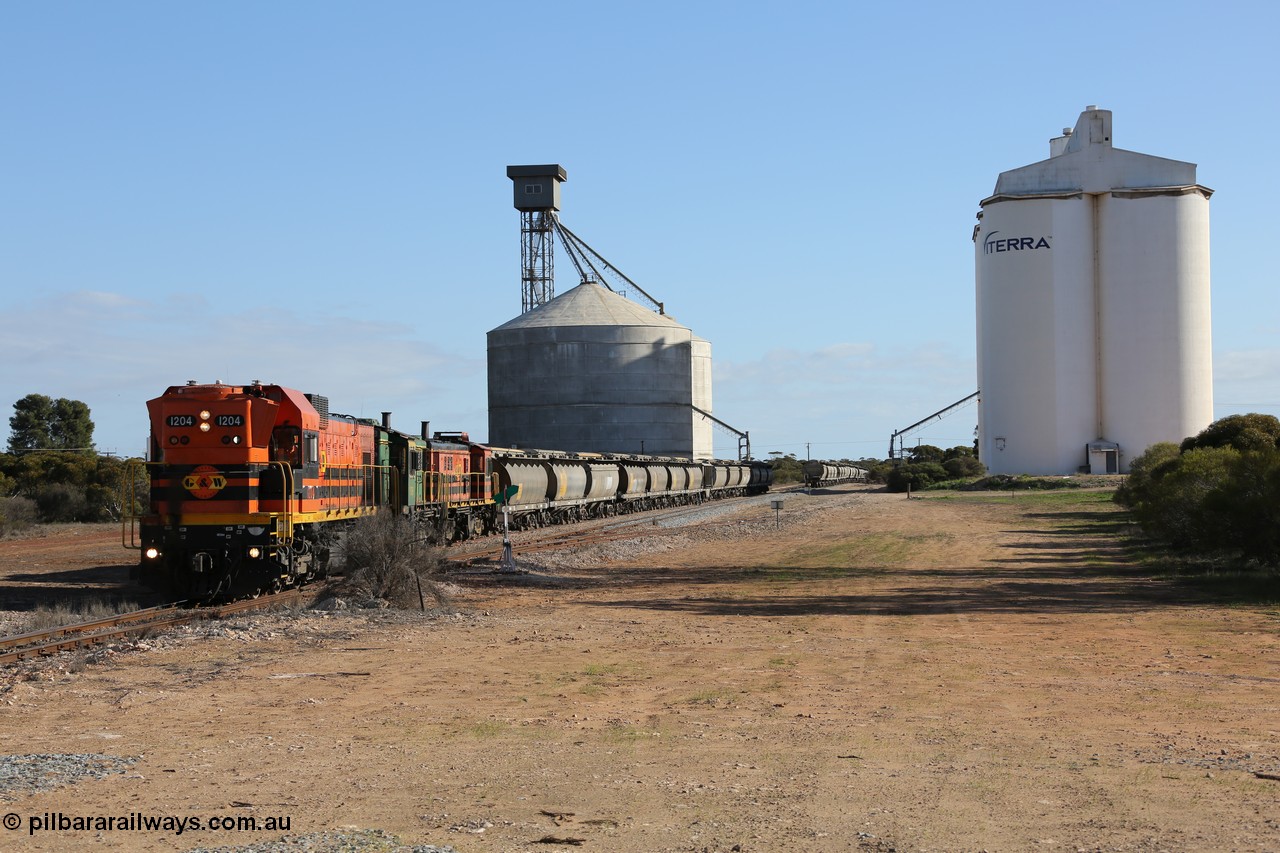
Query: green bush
1218, 493
1243, 512
1021, 483
17, 514
915, 476
1175, 509
926, 453
63, 502
1144, 473
786, 469
67, 485
1242, 432
960, 467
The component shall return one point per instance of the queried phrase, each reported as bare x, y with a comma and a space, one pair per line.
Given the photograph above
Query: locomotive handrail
452, 489
129, 504
286, 481
378, 491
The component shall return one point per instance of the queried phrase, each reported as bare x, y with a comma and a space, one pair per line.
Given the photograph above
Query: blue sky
314, 194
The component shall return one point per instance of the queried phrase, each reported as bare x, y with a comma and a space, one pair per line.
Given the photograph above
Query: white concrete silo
1092, 307
591, 371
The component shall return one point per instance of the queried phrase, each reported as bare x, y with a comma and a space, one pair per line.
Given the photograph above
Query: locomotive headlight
204, 415
255, 552
152, 553
204, 426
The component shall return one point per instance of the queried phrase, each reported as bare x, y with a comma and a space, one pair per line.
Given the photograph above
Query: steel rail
79, 635
606, 530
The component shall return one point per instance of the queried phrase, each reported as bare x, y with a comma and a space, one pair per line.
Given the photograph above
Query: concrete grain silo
593, 371
1092, 307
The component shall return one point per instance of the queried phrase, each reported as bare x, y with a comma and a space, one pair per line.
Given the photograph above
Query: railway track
597, 537
649, 523
50, 641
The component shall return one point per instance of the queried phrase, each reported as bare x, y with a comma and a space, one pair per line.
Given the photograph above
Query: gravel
358, 841
21, 775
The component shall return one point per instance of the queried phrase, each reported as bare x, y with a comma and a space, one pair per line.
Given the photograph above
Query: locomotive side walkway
953, 672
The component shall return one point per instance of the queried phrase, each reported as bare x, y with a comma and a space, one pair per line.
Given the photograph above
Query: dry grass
62, 613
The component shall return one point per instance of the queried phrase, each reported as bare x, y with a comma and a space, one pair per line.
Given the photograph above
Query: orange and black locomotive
251, 486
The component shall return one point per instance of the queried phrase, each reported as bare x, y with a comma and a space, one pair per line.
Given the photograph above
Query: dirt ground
948, 673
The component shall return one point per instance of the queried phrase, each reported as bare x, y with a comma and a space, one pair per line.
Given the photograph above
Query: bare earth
950, 673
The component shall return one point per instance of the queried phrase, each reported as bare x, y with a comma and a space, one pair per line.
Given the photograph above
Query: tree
1242, 432
1175, 509
1217, 493
915, 475
72, 428
786, 468
877, 469
959, 467
1243, 513
1145, 472
42, 423
67, 486
29, 426
926, 453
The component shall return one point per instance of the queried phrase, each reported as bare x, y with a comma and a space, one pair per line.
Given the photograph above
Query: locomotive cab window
286, 446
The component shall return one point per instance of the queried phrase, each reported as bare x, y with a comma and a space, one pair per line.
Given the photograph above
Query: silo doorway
1103, 457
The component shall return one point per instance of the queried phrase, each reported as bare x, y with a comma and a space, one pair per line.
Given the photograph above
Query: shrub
1216, 495
384, 556
1242, 513
62, 502
95, 480
1144, 472
786, 469
1175, 508
915, 475
16, 514
1011, 482
959, 467
1242, 432
878, 470
926, 453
